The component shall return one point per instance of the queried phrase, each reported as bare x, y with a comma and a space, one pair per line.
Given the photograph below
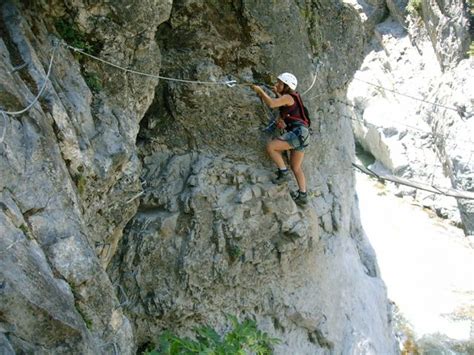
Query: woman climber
296, 123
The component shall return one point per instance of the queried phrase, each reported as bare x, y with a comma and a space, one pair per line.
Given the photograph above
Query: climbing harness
296, 117
299, 118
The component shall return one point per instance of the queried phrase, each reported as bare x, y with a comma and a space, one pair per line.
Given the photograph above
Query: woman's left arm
284, 100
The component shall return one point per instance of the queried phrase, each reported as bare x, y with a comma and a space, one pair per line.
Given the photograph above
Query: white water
426, 264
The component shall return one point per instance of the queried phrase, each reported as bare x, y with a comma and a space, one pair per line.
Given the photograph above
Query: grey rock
33, 300
411, 138
454, 130
371, 12
68, 168
5, 346
447, 22
398, 10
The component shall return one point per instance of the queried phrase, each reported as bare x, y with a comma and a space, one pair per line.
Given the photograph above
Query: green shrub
93, 81
80, 181
24, 228
72, 36
242, 339
235, 252
414, 7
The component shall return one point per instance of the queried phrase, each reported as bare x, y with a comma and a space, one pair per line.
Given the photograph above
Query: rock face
411, 104
212, 234
454, 131
113, 230
447, 25
67, 169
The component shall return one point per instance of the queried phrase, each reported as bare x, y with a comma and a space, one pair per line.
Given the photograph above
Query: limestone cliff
130, 205
411, 102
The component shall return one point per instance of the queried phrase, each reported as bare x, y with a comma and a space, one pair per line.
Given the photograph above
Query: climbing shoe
282, 177
300, 198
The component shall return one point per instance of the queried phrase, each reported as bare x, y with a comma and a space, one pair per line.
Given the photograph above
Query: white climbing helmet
288, 79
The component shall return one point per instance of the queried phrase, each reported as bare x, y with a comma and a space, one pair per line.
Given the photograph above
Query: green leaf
243, 338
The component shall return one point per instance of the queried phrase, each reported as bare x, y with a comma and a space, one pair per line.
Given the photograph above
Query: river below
428, 268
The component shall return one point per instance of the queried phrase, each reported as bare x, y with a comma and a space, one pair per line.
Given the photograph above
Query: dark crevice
16, 59
317, 337
363, 155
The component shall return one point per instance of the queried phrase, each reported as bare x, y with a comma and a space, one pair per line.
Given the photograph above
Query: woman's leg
296, 161
274, 149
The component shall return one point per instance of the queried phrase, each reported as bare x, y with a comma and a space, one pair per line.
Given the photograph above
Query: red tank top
294, 114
